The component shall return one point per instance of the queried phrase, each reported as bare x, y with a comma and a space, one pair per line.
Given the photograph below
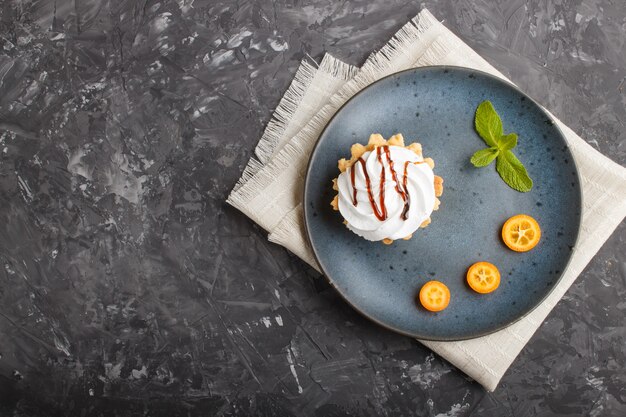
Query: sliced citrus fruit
521, 233
434, 296
483, 277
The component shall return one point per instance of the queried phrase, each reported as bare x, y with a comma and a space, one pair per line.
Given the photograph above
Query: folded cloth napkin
270, 189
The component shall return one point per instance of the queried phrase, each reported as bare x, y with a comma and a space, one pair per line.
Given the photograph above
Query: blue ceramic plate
435, 106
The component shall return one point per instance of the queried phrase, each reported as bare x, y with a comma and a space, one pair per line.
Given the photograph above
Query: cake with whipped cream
386, 190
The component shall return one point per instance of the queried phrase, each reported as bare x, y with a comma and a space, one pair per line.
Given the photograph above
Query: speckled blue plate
436, 106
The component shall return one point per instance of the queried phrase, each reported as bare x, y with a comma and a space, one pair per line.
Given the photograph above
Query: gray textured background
129, 287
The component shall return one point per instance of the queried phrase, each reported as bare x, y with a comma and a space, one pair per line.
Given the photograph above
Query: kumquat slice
521, 233
434, 296
483, 277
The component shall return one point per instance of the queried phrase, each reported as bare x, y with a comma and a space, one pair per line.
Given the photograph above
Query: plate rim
497, 79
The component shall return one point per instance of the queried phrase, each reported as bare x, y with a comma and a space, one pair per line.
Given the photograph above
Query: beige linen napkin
271, 188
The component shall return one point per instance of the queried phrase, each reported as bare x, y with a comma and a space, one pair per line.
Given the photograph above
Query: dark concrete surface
128, 286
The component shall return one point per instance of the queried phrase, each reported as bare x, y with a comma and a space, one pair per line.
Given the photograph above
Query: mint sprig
489, 126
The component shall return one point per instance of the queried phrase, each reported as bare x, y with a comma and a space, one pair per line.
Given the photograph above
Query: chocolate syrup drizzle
380, 211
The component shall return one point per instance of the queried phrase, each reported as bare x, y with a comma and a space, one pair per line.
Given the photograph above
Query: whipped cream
386, 212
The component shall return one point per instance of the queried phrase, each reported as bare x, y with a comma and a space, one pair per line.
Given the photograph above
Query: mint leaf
484, 157
489, 126
488, 123
513, 172
507, 142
